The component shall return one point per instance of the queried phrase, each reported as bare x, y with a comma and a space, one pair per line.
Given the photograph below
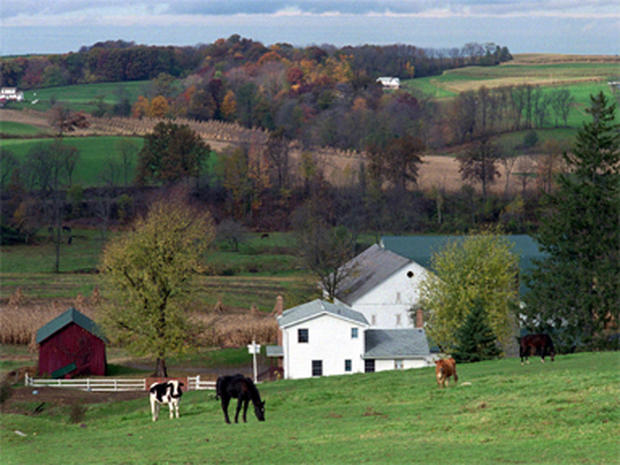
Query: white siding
329, 340
389, 364
387, 305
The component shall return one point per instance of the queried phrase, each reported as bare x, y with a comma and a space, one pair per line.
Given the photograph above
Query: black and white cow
168, 392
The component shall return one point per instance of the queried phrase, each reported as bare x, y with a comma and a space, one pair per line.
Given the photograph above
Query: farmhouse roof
396, 343
318, 307
68, 317
421, 248
370, 268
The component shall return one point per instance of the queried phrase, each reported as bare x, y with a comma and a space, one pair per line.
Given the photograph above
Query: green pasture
260, 270
96, 154
564, 412
13, 129
471, 78
82, 97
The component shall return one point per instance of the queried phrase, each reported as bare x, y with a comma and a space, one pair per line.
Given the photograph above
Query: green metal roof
421, 248
68, 317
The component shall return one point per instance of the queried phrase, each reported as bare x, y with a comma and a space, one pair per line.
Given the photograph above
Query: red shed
71, 345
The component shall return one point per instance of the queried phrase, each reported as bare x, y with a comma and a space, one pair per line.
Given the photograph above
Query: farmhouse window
347, 366
369, 365
398, 322
373, 320
317, 367
354, 333
302, 335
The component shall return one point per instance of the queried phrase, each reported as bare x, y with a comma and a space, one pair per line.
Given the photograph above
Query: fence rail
111, 385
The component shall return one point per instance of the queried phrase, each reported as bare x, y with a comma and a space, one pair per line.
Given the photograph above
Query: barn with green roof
70, 345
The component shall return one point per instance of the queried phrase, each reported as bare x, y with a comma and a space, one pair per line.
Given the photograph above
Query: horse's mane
254, 394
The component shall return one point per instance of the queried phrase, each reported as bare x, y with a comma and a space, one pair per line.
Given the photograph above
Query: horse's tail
218, 388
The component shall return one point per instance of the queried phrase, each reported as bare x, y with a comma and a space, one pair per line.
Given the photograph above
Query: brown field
340, 167
20, 320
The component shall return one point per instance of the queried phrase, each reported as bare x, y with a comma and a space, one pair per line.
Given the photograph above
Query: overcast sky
550, 26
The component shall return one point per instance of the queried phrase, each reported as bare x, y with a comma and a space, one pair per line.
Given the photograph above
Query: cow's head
175, 388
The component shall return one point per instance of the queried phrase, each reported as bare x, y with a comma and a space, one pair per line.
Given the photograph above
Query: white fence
111, 385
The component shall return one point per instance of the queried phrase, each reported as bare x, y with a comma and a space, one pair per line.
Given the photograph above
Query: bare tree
479, 164
49, 168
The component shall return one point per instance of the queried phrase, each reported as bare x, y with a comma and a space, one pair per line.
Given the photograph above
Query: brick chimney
419, 318
277, 311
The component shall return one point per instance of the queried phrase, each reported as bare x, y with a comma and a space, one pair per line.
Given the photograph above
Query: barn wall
72, 344
387, 305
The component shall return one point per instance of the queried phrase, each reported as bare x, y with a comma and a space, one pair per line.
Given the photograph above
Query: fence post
115, 385
197, 382
26, 380
88, 384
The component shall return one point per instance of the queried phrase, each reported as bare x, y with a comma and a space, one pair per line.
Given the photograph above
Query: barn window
398, 365
369, 365
317, 367
354, 333
302, 335
410, 274
347, 366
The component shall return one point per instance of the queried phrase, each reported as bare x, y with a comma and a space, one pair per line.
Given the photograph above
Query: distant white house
322, 339
8, 94
389, 82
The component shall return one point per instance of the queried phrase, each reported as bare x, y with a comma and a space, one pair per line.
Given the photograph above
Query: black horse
536, 344
244, 390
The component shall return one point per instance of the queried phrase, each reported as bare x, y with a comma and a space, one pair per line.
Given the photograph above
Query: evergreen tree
575, 288
475, 338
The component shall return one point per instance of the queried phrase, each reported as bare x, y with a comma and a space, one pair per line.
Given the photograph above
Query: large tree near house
147, 275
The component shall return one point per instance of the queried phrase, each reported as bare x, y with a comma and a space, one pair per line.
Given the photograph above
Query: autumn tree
147, 274
574, 289
65, 120
170, 153
479, 269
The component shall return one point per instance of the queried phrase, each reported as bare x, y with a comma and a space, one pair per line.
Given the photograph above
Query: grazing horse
168, 392
533, 344
445, 368
244, 390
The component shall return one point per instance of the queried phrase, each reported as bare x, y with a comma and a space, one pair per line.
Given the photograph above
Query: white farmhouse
389, 82
321, 339
11, 94
384, 287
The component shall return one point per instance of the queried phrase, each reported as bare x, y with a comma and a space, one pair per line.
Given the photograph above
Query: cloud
63, 12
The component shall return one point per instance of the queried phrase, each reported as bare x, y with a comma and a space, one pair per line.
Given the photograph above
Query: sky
524, 26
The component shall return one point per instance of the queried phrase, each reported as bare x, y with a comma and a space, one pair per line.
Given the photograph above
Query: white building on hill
11, 94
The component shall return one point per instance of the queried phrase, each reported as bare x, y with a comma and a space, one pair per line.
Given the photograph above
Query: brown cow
445, 368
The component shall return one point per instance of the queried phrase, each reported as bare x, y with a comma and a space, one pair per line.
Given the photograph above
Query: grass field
262, 269
564, 412
96, 154
14, 129
82, 97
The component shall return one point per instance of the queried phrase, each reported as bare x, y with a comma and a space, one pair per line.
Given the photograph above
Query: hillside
558, 413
